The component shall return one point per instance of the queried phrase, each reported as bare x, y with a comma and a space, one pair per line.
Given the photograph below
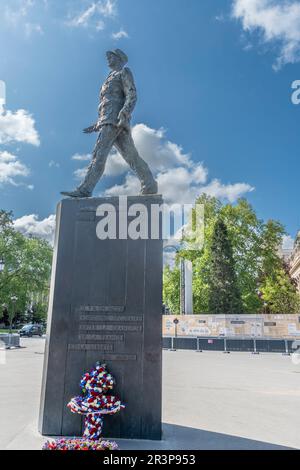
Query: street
210, 400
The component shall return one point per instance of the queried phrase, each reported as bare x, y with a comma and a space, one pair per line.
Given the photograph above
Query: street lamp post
175, 321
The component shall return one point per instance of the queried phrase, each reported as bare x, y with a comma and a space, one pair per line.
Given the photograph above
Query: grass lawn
7, 331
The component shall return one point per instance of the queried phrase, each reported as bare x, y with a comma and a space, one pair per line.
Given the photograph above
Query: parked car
31, 330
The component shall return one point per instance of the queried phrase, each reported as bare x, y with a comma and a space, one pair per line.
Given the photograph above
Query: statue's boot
151, 189
75, 194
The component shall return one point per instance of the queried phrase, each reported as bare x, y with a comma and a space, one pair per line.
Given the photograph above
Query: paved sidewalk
210, 401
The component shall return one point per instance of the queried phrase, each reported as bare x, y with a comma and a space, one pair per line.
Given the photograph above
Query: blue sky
214, 112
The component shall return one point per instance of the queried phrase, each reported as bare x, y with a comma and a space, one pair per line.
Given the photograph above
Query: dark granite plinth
105, 305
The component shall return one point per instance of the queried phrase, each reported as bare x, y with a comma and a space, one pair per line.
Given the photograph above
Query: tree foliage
224, 296
255, 251
26, 274
280, 294
171, 288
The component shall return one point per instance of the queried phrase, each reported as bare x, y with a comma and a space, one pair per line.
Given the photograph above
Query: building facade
294, 261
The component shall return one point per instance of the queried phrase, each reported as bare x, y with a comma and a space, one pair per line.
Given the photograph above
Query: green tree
244, 231
224, 295
37, 313
271, 240
255, 249
280, 294
171, 289
202, 259
27, 267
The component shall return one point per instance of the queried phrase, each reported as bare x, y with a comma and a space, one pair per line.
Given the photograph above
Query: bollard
198, 346
286, 353
255, 349
225, 347
172, 345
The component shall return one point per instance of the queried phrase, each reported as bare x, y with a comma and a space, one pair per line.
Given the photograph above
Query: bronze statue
117, 101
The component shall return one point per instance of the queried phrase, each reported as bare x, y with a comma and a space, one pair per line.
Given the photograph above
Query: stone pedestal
105, 305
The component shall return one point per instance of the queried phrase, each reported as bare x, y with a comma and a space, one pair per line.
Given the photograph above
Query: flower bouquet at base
93, 404
80, 444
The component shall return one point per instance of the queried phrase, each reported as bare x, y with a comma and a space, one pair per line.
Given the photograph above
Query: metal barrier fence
229, 344
10, 341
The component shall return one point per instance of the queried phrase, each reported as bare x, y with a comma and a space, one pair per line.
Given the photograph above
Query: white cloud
122, 34
80, 173
30, 225
159, 152
129, 187
115, 165
15, 127
53, 164
17, 10
94, 15
108, 8
18, 126
2, 96
30, 16
180, 179
11, 168
83, 18
180, 184
226, 191
277, 21
17, 15
31, 28
221, 18
81, 158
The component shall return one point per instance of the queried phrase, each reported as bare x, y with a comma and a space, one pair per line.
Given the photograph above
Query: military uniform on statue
117, 101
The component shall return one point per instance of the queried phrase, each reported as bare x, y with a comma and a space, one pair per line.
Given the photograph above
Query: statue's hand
123, 120
89, 130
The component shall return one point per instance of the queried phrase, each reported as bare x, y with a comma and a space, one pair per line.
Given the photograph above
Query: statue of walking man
117, 101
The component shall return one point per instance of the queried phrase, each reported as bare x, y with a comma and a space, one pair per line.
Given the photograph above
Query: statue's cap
120, 54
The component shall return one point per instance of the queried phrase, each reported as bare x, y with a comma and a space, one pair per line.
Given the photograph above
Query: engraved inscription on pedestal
110, 321
101, 308
111, 318
84, 338
90, 347
128, 328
